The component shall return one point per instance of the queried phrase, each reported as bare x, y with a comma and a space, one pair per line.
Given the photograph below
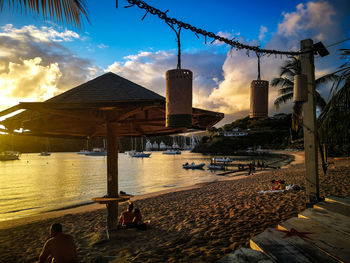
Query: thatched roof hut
83, 111
108, 106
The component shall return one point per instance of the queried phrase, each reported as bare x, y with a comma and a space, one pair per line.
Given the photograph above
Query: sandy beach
202, 223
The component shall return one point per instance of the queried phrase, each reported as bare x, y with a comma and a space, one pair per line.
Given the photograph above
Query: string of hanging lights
198, 31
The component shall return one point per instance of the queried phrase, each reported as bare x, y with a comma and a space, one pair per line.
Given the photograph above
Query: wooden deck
319, 234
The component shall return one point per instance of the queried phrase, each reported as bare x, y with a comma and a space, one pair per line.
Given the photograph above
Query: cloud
148, 69
40, 81
35, 65
263, 31
223, 83
102, 46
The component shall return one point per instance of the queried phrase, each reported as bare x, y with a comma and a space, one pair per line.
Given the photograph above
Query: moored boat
45, 154
172, 152
140, 155
97, 152
193, 166
223, 160
9, 155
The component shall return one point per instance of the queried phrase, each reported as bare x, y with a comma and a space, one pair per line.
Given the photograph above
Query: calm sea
35, 184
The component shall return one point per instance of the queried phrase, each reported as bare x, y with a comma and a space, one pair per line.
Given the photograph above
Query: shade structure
179, 98
300, 88
259, 94
82, 112
108, 106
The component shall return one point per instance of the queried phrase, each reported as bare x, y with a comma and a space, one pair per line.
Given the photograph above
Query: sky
42, 58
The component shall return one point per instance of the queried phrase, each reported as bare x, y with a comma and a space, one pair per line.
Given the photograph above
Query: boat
9, 155
140, 155
193, 166
97, 152
172, 152
223, 160
215, 167
83, 152
45, 154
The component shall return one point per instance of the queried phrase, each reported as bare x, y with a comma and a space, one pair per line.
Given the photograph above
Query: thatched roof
106, 88
84, 111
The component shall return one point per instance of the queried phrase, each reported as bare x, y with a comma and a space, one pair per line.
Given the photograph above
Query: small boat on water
223, 160
172, 152
193, 166
83, 152
9, 155
215, 167
97, 152
45, 154
140, 155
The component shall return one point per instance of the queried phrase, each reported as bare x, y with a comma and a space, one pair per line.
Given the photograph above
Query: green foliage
267, 133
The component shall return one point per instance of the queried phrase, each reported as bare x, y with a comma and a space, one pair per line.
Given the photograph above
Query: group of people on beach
60, 247
252, 166
132, 218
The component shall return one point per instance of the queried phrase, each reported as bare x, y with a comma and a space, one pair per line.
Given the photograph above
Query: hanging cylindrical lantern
179, 98
300, 88
259, 94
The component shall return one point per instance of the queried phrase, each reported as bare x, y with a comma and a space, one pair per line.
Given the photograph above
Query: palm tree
334, 121
285, 82
70, 11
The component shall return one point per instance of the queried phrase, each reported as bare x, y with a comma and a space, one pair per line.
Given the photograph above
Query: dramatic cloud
34, 64
223, 84
148, 69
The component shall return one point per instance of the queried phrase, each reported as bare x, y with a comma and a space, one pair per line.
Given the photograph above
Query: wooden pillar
112, 174
310, 125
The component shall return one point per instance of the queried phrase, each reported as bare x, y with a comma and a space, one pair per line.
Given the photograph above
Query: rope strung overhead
234, 44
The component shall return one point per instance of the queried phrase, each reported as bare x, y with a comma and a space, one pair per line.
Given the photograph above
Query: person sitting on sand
59, 247
137, 220
126, 218
278, 185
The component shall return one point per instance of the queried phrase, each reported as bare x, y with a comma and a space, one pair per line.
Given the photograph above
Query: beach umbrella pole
112, 175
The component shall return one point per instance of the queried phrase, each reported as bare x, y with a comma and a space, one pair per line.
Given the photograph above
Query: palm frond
70, 11
282, 82
286, 90
326, 78
282, 99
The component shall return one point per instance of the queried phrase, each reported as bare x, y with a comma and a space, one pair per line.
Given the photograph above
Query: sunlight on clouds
44, 34
313, 15
28, 81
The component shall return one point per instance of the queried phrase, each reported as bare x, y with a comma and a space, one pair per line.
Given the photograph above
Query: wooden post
310, 126
112, 174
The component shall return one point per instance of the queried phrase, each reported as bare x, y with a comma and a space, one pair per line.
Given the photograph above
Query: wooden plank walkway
319, 234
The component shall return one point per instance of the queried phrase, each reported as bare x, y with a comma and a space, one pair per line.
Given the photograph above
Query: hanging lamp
259, 94
300, 88
178, 93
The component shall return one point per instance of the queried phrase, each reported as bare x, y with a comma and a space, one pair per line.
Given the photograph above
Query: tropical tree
69, 11
285, 82
334, 121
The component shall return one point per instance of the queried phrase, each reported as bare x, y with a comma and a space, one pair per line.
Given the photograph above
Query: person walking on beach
59, 248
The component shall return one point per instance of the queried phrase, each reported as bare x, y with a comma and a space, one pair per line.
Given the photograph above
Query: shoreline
201, 223
91, 206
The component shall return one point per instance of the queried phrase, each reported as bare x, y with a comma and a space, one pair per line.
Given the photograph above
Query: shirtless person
127, 216
59, 248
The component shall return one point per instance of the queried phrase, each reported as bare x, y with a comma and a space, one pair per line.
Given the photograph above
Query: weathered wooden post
112, 174
309, 125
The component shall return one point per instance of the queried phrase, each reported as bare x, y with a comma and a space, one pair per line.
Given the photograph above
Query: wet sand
202, 223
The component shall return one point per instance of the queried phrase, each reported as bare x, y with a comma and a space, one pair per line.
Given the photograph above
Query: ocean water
35, 184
